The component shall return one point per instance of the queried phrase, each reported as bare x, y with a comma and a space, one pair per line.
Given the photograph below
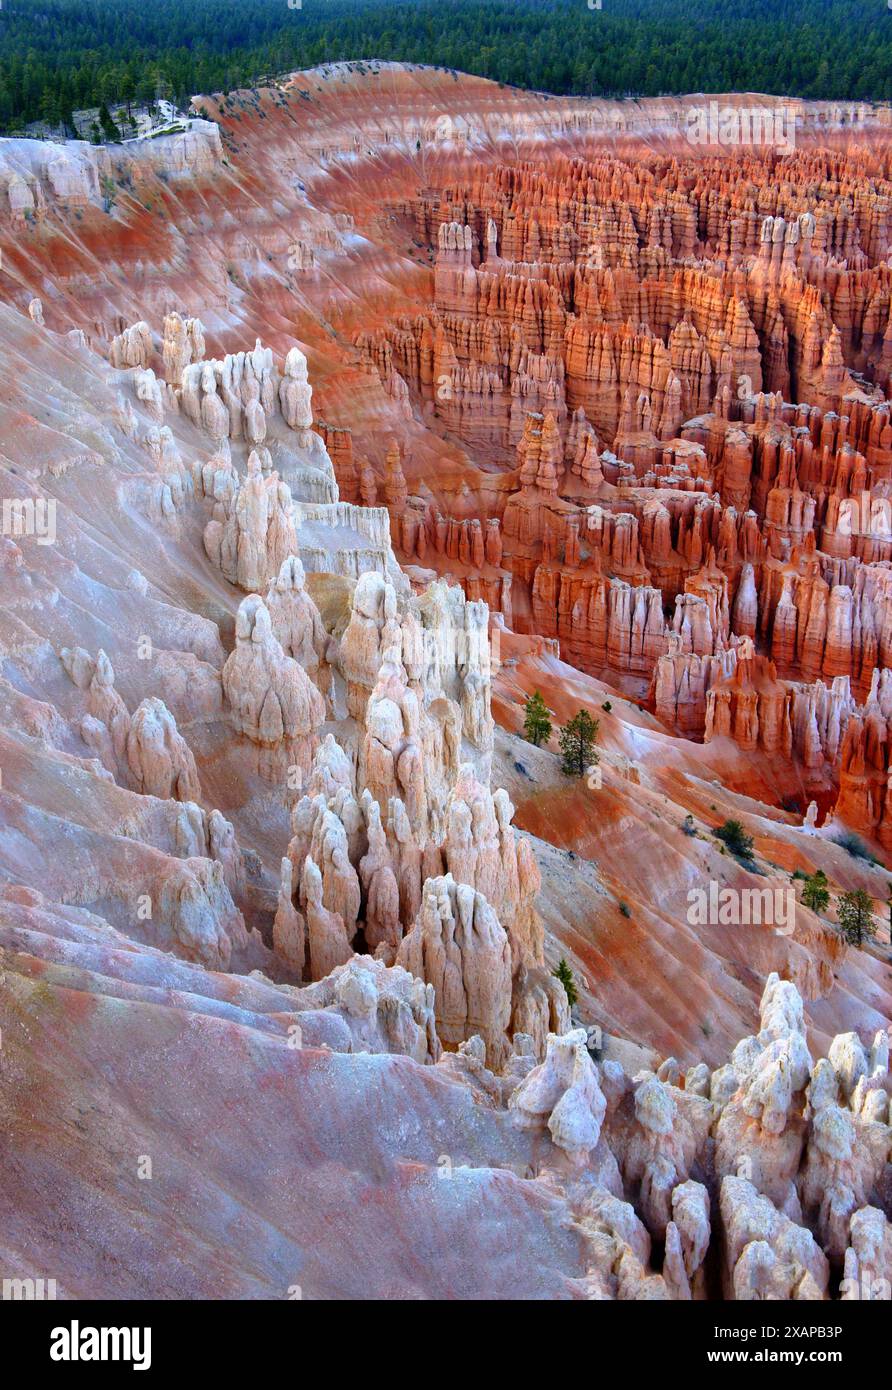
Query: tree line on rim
60, 56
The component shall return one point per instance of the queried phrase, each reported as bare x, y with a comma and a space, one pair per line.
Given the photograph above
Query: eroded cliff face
330, 432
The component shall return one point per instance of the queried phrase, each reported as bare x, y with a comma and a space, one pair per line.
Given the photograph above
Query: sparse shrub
854, 846
625, 909
732, 834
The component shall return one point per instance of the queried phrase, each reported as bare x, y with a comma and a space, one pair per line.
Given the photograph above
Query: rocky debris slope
765, 1178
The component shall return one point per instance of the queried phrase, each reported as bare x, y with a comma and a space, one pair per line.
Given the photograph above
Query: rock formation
272, 701
284, 894
458, 946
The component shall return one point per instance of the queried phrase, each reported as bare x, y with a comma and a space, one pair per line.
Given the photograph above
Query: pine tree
578, 744
536, 723
565, 975
855, 913
108, 125
814, 891
128, 92
49, 108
